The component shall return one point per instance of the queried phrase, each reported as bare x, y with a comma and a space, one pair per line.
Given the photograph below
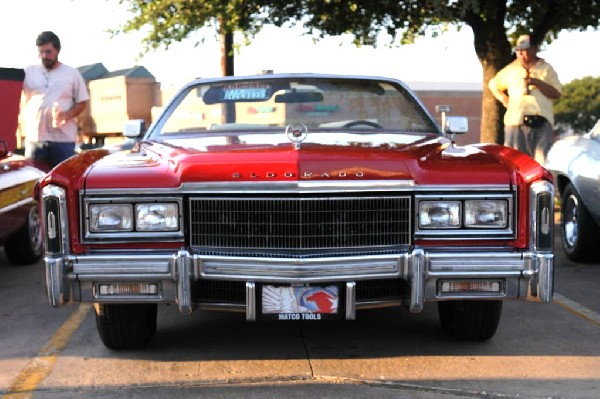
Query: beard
49, 63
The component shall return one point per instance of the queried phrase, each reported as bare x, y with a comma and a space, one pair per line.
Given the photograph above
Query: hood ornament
296, 133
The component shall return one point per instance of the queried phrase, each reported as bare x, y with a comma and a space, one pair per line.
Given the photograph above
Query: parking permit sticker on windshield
246, 92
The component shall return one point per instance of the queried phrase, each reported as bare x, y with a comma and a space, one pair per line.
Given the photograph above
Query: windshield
276, 103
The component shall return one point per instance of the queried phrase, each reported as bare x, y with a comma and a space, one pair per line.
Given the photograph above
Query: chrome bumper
525, 275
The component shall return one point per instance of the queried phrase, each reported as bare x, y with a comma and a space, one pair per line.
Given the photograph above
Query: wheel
25, 247
126, 326
470, 320
362, 122
579, 231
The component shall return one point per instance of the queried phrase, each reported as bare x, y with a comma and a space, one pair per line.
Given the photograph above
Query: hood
422, 159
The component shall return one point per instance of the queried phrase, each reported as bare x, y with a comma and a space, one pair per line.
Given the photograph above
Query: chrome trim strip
114, 263
57, 286
303, 186
505, 262
297, 270
417, 270
60, 194
379, 304
56, 267
250, 301
184, 288
464, 188
16, 205
350, 300
223, 307
540, 287
536, 189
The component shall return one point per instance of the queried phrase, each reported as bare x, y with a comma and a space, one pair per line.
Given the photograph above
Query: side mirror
456, 124
134, 128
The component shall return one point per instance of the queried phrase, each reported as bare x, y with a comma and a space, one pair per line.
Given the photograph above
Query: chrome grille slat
294, 223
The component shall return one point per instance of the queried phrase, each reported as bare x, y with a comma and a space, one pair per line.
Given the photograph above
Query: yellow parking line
576, 308
39, 367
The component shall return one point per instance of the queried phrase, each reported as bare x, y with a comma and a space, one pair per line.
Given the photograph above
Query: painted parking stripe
24, 385
577, 308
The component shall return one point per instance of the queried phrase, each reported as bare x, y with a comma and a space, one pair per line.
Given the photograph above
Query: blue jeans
47, 154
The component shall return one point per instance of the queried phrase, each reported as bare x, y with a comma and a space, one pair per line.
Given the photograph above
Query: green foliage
495, 25
493, 22
407, 19
579, 105
169, 21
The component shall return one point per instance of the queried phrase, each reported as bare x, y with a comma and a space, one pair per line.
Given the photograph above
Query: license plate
300, 302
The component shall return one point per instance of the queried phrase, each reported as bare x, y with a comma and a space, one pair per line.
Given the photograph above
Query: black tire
470, 320
26, 246
126, 326
579, 231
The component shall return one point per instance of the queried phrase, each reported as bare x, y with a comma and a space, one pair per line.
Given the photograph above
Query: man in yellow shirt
527, 87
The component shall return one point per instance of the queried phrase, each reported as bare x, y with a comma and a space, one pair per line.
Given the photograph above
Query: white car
575, 163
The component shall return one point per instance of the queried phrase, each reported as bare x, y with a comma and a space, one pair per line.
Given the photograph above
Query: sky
82, 26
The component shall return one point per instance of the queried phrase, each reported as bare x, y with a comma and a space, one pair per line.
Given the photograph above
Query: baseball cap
523, 43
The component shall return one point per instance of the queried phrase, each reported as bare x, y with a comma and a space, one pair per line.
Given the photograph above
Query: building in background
134, 93
115, 98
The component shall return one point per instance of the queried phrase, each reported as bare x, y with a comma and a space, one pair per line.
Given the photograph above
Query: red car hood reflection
426, 162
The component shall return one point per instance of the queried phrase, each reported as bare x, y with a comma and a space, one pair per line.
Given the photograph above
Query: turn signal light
127, 289
470, 287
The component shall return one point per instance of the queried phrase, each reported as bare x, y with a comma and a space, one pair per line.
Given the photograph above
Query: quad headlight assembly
452, 216
131, 218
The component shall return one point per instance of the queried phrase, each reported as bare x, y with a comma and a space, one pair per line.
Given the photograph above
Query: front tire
579, 231
126, 326
25, 247
470, 320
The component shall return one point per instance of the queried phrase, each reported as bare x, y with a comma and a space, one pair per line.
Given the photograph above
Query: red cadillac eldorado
298, 197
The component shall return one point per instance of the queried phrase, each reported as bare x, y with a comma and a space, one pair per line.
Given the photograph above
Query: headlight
439, 214
486, 213
156, 217
111, 217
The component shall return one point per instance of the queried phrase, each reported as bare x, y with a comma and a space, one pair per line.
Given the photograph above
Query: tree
495, 24
579, 105
169, 21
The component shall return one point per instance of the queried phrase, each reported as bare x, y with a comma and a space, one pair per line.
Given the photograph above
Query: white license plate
300, 299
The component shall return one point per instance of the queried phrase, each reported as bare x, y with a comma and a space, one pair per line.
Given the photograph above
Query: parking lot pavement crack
421, 388
399, 386
307, 352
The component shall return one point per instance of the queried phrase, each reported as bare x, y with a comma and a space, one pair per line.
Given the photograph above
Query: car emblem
296, 134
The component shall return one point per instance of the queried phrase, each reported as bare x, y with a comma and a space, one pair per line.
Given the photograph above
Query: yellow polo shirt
510, 79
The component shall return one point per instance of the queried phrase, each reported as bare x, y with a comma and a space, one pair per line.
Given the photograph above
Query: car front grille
299, 224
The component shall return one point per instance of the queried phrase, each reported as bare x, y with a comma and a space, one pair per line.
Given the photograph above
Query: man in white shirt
55, 95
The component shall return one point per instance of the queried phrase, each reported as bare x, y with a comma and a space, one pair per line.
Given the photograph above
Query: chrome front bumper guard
526, 275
